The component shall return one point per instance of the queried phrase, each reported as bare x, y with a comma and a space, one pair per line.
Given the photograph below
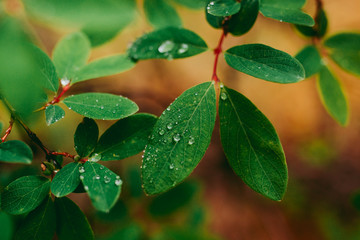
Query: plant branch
8, 130
57, 98
217, 52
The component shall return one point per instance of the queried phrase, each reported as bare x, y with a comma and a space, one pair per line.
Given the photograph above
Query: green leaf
179, 139
286, 11
15, 151
266, 63
71, 54
102, 185
47, 70
242, 22
347, 60
310, 59
24, 194
223, 8
1, 127
214, 21
251, 145
39, 224
71, 221
344, 41
161, 14
86, 137
53, 113
119, 213
129, 232
101, 105
169, 202
104, 67
66, 180
198, 4
333, 96
126, 137
318, 30
167, 43
6, 226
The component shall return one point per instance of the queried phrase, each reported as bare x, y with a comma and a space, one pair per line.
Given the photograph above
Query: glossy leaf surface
318, 30
161, 14
242, 22
15, 151
266, 63
101, 105
24, 194
126, 137
53, 113
66, 180
179, 139
102, 185
167, 43
251, 145
86, 137
223, 8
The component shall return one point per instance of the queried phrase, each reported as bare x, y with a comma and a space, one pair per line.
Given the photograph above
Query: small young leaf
242, 22
161, 14
102, 185
6, 226
266, 63
86, 137
310, 59
104, 67
126, 137
251, 145
101, 105
39, 224
348, 60
71, 222
24, 194
198, 4
53, 113
223, 8
318, 30
179, 139
167, 43
214, 21
15, 151
286, 11
71, 54
333, 96
47, 70
344, 41
66, 180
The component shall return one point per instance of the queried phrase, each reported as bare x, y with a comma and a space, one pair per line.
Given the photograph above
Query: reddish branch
8, 130
217, 52
57, 98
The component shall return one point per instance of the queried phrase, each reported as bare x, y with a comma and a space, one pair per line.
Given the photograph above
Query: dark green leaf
179, 139
47, 70
24, 194
310, 59
71, 221
39, 224
318, 30
126, 137
119, 213
102, 185
101, 105
242, 22
15, 151
348, 60
66, 180
6, 226
71, 54
86, 137
182, 234
344, 41
223, 8
176, 198
333, 96
134, 182
286, 11
216, 22
104, 67
167, 43
266, 63
198, 4
53, 113
161, 14
251, 145
130, 232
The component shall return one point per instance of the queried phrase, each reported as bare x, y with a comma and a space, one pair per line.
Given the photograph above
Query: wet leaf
15, 151
53, 113
66, 180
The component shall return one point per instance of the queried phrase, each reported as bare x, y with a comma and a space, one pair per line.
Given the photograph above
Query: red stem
56, 99
8, 130
65, 154
217, 52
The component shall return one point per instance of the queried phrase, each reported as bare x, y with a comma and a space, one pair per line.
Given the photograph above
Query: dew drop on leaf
81, 169
118, 182
161, 132
95, 157
183, 48
64, 82
107, 179
191, 141
171, 166
86, 188
177, 137
223, 96
166, 46
81, 177
170, 126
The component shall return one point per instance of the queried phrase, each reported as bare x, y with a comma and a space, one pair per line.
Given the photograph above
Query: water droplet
81, 177
81, 169
101, 167
221, 85
95, 157
223, 96
170, 126
183, 48
161, 132
107, 179
86, 188
212, 3
171, 166
168, 108
64, 82
118, 182
177, 137
114, 112
191, 141
102, 107
97, 177
96, 100
166, 46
